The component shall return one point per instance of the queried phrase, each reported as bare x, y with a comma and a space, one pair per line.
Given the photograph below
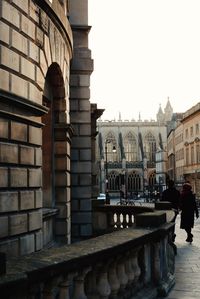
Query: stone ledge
163, 205
150, 219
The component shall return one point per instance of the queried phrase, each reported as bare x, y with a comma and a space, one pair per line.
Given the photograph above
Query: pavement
187, 264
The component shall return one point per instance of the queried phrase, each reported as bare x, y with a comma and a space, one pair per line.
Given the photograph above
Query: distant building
132, 166
186, 142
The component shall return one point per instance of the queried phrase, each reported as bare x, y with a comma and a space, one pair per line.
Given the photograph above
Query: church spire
160, 114
168, 111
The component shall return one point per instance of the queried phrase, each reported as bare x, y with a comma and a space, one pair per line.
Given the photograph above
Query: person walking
172, 195
188, 209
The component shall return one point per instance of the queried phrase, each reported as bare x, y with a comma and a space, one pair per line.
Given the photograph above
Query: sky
144, 51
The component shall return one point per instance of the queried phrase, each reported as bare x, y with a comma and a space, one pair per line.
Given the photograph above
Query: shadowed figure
172, 195
188, 209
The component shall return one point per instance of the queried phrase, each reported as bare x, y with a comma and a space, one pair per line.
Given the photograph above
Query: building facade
46, 124
148, 153
187, 148
131, 168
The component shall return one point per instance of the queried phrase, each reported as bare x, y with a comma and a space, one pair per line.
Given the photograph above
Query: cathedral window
150, 147
109, 144
130, 146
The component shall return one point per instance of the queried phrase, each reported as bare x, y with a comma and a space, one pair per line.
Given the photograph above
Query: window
150, 147
191, 131
130, 146
192, 155
186, 133
134, 182
187, 156
197, 129
198, 153
110, 142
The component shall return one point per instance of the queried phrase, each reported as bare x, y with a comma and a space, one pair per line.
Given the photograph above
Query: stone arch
56, 157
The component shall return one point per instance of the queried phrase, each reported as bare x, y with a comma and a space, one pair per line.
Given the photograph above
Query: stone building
184, 149
131, 168
47, 124
175, 144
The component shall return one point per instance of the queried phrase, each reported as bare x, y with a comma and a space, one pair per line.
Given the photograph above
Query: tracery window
134, 182
152, 179
150, 147
130, 147
113, 181
109, 144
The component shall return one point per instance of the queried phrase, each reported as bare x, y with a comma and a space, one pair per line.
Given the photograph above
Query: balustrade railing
107, 218
136, 262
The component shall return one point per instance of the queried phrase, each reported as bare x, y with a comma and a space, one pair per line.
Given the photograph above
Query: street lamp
106, 168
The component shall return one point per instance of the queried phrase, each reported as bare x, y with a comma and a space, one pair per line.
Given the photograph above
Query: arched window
152, 179
113, 181
133, 182
150, 147
109, 144
130, 147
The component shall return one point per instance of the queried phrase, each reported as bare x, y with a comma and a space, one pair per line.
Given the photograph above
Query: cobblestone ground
187, 271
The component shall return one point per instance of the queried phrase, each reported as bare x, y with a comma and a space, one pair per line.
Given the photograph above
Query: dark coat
172, 195
188, 208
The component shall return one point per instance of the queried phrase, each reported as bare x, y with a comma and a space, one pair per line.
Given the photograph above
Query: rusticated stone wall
35, 53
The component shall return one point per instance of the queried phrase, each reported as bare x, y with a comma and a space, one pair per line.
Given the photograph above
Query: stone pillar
80, 114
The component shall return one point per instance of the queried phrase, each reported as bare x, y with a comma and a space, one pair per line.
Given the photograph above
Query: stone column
80, 114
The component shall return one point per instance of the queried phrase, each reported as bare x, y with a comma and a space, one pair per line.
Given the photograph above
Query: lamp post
106, 169
107, 195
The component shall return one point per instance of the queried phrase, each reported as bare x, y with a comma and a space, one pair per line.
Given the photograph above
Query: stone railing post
49, 288
65, 286
103, 285
130, 274
113, 279
79, 291
91, 284
135, 265
157, 276
147, 264
121, 273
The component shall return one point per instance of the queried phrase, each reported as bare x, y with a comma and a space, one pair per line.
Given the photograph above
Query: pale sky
144, 51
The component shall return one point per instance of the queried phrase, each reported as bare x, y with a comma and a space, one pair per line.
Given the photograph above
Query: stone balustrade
135, 262
107, 218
